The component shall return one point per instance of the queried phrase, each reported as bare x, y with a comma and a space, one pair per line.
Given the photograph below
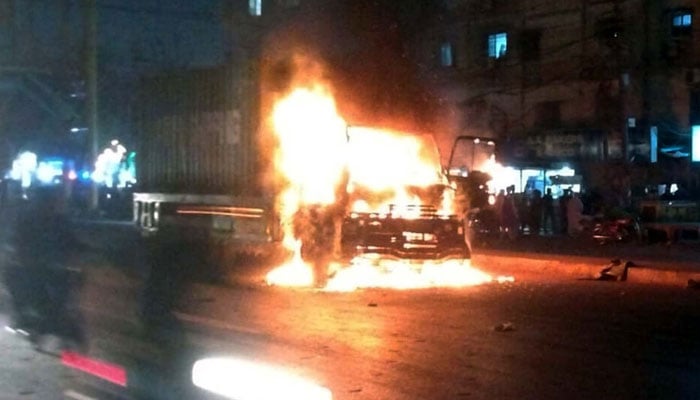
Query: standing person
523, 203
535, 211
563, 220
574, 214
510, 213
498, 206
667, 194
548, 212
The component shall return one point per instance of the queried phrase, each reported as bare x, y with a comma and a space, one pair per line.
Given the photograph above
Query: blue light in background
695, 146
654, 144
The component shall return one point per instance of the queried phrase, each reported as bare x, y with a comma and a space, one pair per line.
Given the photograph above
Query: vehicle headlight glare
247, 380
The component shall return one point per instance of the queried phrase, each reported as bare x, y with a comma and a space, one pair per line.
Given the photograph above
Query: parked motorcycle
625, 229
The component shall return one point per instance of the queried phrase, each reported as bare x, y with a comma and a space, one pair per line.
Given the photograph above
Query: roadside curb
646, 271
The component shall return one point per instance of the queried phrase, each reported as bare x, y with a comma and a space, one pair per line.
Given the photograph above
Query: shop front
556, 160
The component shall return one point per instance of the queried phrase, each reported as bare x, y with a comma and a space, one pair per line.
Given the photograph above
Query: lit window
681, 23
255, 7
446, 54
498, 45
682, 20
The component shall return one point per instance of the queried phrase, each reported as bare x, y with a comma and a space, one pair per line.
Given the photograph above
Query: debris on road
373, 304
504, 327
615, 271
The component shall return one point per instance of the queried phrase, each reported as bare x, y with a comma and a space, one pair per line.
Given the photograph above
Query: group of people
538, 214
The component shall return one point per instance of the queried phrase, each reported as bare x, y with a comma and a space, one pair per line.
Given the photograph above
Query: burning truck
334, 205
407, 211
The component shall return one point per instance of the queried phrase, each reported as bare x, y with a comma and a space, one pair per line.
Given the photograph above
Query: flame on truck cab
392, 172
384, 215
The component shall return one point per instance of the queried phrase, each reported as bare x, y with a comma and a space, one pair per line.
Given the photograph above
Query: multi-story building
588, 83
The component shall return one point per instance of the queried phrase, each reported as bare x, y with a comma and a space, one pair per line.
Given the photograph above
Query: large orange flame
318, 155
311, 158
312, 146
384, 164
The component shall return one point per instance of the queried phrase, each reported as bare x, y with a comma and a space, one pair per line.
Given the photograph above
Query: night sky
44, 39
360, 41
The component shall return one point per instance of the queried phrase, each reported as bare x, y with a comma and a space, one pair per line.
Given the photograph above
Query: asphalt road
563, 338
26, 373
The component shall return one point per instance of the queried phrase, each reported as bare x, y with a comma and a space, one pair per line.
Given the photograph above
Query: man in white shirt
574, 214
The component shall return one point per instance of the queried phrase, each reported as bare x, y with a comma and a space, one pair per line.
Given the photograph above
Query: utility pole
647, 65
91, 109
623, 79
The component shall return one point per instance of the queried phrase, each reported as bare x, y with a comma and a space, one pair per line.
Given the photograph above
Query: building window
681, 22
498, 45
255, 7
446, 58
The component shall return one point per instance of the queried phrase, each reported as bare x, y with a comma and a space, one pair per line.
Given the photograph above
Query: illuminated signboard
556, 146
695, 147
654, 144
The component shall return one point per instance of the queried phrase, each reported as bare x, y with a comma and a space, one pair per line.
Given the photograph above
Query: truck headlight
246, 380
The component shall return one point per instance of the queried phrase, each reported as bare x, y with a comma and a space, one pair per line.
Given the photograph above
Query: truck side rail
238, 217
